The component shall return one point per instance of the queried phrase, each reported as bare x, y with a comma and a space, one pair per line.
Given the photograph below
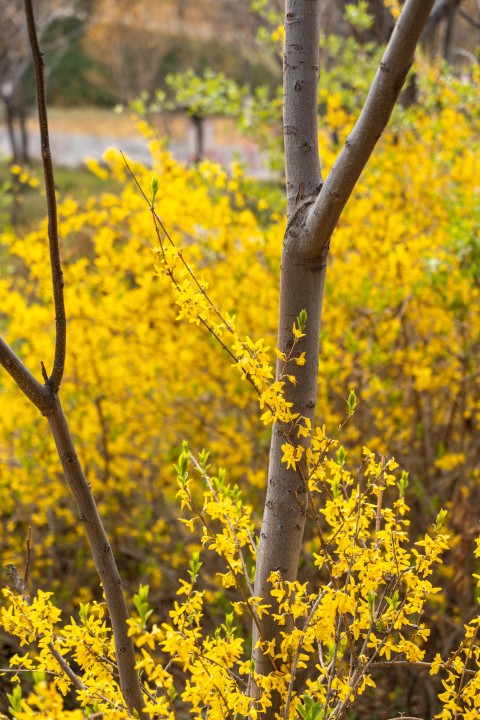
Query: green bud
351, 403
440, 519
153, 189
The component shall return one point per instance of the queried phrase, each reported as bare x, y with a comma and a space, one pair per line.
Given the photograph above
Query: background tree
15, 59
139, 45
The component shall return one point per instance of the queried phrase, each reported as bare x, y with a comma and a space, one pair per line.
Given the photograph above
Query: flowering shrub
401, 327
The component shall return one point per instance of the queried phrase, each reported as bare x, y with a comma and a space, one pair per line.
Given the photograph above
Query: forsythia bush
368, 604
401, 326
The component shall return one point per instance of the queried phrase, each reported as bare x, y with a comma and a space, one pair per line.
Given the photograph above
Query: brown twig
378, 518
55, 378
19, 586
410, 664
27, 561
39, 395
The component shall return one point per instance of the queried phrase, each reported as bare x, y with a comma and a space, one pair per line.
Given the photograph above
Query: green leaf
195, 565
403, 483
351, 403
393, 601
341, 456
358, 15
15, 699
302, 320
440, 519
84, 612
310, 710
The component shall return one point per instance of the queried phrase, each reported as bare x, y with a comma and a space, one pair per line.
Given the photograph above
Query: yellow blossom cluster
401, 325
362, 607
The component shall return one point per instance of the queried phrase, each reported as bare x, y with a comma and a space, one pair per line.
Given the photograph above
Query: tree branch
39, 395
102, 557
55, 378
440, 9
469, 19
46, 398
323, 216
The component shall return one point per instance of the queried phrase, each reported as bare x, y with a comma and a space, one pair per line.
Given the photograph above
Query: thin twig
27, 561
158, 221
238, 547
19, 586
159, 229
76, 682
378, 519
246, 599
410, 664
293, 670
469, 18
55, 378
462, 678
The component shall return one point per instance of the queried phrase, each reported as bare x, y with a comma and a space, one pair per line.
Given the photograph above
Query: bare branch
27, 559
39, 395
76, 682
440, 10
102, 556
397, 60
412, 664
55, 378
469, 19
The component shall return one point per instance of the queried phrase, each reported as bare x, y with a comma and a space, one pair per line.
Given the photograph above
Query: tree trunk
198, 139
313, 212
9, 117
301, 288
451, 17
441, 9
24, 150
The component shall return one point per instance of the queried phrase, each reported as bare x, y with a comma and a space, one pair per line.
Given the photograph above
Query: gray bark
300, 88
313, 213
388, 82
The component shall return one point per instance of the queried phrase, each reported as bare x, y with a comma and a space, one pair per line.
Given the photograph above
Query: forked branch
45, 398
56, 375
323, 215
39, 395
